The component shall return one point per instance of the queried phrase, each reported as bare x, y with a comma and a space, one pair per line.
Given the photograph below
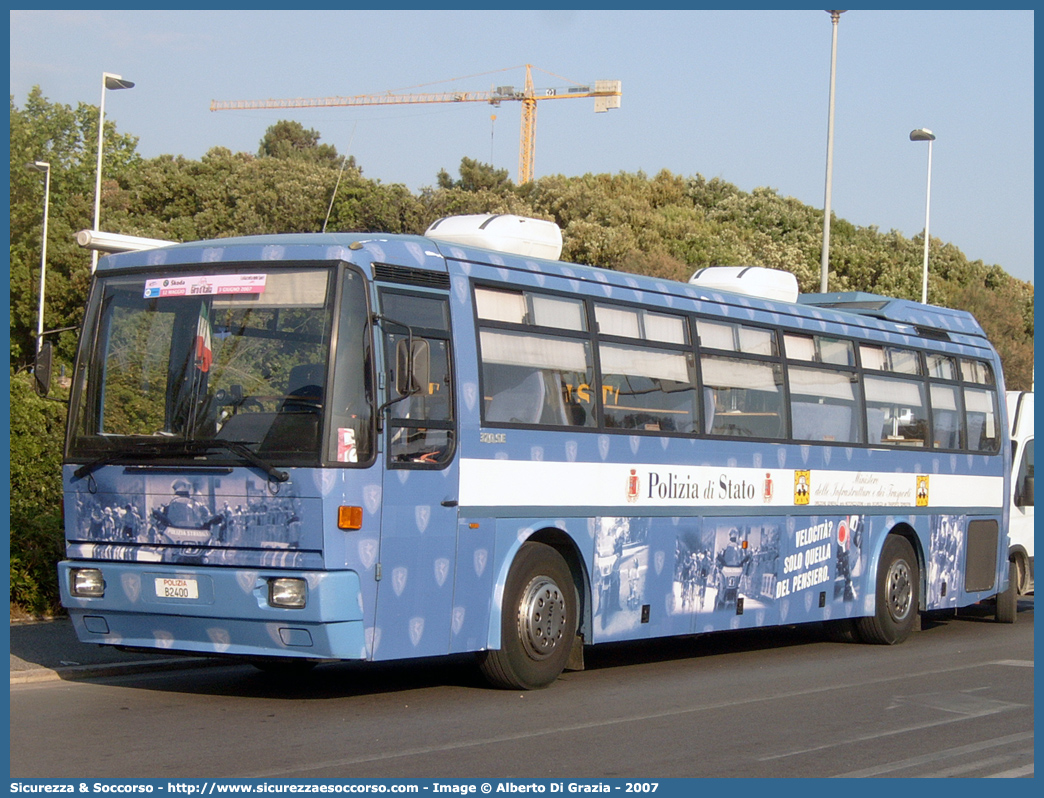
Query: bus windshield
234, 357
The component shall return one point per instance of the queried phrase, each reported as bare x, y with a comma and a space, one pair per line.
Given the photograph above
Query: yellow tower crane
606, 94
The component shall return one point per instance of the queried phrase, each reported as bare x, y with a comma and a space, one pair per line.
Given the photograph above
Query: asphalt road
955, 700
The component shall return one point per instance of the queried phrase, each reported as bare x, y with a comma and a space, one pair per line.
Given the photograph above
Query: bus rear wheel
538, 622
1020, 568
897, 595
1008, 600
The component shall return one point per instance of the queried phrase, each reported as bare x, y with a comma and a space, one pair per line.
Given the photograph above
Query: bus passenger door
419, 521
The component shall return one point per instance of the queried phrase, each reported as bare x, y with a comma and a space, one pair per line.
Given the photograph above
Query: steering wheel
250, 404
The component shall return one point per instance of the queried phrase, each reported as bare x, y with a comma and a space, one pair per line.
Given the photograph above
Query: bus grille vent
387, 273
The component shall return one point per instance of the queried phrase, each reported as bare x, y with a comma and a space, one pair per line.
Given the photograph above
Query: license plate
177, 588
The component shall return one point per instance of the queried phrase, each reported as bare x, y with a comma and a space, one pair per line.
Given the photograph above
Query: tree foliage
667, 226
37, 540
290, 140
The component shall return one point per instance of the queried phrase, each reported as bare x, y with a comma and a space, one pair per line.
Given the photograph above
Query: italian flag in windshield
204, 352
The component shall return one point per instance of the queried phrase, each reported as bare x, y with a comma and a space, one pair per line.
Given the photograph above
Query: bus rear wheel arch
1020, 570
538, 621
897, 594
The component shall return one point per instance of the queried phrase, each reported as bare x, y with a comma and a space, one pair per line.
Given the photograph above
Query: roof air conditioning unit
755, 281
502, 232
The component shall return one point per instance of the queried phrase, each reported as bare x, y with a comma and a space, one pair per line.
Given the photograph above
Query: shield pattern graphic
481, 557
658, 560
220, 638
416, 631
372, 498
458, 620
131, 584
460, 289
368, 552
399, 580
373, 638
415, 252
422, 514
441, 570
246, 580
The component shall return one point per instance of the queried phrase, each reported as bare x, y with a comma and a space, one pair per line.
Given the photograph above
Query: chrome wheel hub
900, 589
541, 617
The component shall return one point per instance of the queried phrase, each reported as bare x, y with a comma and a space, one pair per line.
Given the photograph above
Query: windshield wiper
242, 451
134, 450
170, 447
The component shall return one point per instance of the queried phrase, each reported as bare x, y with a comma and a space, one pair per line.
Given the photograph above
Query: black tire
1008, 601
1020, 570
898, 581
538, 622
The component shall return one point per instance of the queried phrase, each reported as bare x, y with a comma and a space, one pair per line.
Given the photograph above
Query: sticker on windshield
205, 285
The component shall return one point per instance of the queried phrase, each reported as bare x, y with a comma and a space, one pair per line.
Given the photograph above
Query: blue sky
740, 95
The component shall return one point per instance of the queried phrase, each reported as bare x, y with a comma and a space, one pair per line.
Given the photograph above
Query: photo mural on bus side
726, 572
190, 520
945, 577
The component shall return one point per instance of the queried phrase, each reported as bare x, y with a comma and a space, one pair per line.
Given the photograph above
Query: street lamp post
835, 16
109, 81
45, 167
924, 134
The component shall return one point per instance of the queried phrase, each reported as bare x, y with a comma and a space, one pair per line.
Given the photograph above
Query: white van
1020, 529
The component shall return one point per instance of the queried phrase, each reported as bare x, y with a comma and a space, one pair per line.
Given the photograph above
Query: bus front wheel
538, 622
896, 600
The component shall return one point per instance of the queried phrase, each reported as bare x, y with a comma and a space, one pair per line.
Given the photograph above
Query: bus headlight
86, 583
287, 592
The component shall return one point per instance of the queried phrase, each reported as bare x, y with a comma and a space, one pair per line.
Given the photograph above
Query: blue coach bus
301, 448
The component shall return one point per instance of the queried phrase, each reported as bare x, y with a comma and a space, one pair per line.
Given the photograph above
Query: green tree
37, 540
66, 138
476, 176
289, 139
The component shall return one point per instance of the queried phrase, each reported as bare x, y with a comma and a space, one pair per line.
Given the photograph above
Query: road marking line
945, 754
1015, 773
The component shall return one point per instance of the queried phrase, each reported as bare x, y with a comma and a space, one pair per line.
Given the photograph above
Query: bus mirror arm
412, 366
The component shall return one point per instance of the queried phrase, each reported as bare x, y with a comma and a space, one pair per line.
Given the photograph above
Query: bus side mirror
412, 366
42, 369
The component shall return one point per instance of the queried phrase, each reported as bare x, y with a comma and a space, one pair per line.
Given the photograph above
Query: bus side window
947, 426
536, 379
895, 411
421, 423
647, 389
748, 397
823, 405
983, 429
